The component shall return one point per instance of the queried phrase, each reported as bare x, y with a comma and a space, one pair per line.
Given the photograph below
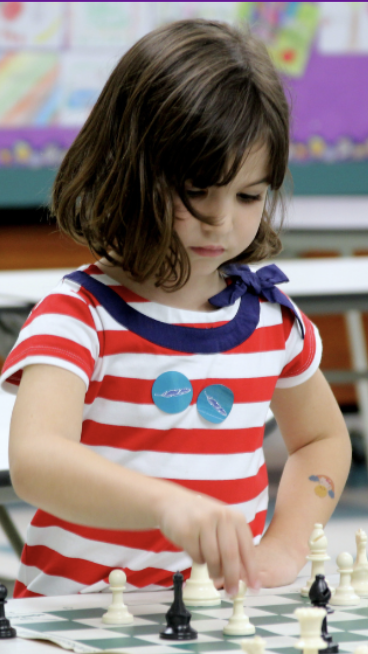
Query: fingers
213, 533
239, 562
230, 556
229, 551
210, 550
248, 559
218, 583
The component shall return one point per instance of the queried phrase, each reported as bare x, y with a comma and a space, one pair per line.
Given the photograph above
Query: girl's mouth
209, 251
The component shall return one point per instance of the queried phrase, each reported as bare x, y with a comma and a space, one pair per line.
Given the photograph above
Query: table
22, 287
337, 224
271, 611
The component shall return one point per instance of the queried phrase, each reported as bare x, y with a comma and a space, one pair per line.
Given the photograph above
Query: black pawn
178, 616
6, 631
319, 595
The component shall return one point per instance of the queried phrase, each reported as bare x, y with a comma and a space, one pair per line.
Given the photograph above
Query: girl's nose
221, 215
220, 221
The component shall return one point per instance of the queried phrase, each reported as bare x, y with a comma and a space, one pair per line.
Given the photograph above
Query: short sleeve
302, 355
61, 330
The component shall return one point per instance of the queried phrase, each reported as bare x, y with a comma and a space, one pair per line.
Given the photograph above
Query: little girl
143, 381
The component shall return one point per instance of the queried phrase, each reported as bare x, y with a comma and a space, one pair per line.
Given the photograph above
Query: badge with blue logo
215, 403
172, 392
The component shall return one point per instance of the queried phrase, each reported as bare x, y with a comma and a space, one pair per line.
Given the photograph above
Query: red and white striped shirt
70, 328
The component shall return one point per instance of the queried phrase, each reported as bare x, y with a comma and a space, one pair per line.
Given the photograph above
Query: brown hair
186, 102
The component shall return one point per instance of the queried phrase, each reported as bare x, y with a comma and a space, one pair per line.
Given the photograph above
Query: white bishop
318, 555
359, 579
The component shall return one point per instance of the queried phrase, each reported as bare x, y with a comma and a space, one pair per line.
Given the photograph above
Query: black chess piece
6, 631
319, 595
178, 617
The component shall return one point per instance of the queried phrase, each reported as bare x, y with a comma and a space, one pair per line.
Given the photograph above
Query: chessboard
74, 623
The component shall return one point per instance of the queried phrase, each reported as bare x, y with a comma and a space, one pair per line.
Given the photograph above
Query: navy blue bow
261, 283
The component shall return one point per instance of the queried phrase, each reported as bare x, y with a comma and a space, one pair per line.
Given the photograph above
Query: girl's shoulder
77, 283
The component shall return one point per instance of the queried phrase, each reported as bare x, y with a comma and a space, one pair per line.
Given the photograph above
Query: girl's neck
193, 296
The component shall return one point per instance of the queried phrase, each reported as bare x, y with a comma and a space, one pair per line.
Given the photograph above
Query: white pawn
117, 612
318, 555
239, 624
359, 579
254, 645
310, 621
199, 589
344, 594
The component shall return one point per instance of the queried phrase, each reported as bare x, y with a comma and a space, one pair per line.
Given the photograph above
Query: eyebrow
260, 181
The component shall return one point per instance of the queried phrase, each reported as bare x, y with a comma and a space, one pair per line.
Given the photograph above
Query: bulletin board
56, 56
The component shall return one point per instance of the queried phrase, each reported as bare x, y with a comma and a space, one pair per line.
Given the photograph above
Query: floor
350, 515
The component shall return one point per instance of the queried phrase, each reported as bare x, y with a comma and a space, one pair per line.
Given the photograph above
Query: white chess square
209, 625
225, 613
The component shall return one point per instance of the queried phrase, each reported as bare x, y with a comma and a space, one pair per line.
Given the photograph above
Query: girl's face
236, 210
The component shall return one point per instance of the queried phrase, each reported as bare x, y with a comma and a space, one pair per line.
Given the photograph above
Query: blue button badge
215, 403
172, 392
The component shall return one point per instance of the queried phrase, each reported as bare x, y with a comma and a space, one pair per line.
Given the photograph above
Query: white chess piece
318, 555
344, 594
239, 624
362, 649
117, 612
199, 589
359, 579
310, 621
254, 645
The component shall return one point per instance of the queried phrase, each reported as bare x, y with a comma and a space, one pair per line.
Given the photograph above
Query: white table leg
358, 350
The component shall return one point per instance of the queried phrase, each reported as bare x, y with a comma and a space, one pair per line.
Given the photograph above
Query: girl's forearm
301, 501
52, 470
76, 484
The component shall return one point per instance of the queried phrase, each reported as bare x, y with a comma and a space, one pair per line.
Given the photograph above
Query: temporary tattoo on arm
325, 485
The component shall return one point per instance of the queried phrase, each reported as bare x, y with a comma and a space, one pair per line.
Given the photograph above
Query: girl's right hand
212, 533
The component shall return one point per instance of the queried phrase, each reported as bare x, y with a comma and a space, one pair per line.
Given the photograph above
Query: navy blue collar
246, 284
262, 283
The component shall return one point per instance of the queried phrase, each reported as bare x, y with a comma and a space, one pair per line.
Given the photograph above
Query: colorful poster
38, 25
56, 56
287, 28
343, 28
107, 25
321, 49
82, 77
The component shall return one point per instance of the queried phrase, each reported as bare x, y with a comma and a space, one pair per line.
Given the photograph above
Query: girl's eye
244, 197
196, 193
